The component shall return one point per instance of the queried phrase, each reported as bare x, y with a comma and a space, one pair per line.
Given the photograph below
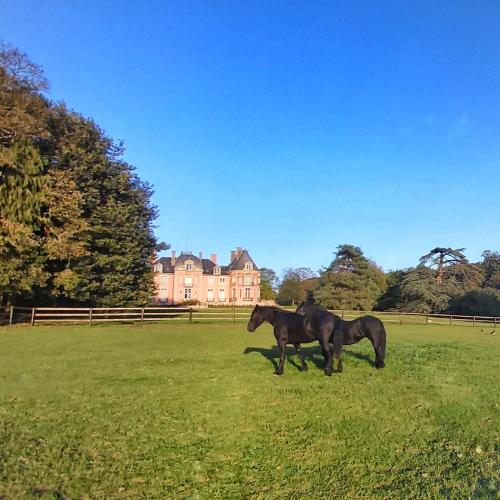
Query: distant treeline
75, 220
443, 281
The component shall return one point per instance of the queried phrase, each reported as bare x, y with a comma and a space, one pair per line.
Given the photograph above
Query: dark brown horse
345, 332
289, 329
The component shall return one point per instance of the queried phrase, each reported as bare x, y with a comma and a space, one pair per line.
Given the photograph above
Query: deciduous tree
292, 288
268, 281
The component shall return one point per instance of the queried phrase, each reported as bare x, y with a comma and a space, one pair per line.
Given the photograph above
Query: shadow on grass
360, 356
311, 354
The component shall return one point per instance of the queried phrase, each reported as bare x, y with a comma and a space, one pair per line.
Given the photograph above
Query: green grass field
194, 411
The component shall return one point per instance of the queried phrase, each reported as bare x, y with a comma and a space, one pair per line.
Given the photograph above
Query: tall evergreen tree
351, 281
441, 259
421, 292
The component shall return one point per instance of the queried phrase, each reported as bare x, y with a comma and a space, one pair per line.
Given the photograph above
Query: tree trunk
440, 270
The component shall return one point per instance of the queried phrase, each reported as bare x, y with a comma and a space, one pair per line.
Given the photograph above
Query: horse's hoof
379, 367
304, 368
328, 374
278, 373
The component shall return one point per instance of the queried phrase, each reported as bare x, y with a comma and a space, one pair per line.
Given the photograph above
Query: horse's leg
282, 338
301, 356
379, 344
324, 340
338, 342
378, 340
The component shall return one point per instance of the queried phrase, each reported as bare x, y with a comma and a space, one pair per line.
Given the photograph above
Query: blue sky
291, 127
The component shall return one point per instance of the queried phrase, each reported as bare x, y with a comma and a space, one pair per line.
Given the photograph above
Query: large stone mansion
188, 278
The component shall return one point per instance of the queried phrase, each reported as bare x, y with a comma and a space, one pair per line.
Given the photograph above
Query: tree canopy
268, 283
294, 285
351, 281
75, 219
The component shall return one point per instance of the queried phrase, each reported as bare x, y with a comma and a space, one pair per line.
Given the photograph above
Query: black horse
289, 329
345, 332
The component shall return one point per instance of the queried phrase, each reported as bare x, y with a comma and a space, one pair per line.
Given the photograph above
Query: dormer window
158, 267
248, 266
189, 265
216, 269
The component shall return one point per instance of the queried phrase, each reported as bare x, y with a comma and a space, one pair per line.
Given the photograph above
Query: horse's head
256, 319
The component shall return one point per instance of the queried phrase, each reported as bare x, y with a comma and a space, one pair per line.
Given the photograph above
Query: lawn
194, 411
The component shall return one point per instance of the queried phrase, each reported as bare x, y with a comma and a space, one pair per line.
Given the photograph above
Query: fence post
142, 315
473, 321
495, 321
33, 312
90, 316
451, 319
234, 315
426, 319
11, 315
400, 317
342, 314
190, 314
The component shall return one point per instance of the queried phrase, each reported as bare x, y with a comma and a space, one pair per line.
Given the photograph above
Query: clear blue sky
291, 127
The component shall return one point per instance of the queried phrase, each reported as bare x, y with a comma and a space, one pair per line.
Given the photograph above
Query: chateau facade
190, 278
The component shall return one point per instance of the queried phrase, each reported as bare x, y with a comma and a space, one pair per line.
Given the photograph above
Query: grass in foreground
194, 411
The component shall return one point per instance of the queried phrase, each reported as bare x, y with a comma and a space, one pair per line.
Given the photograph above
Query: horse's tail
381, 346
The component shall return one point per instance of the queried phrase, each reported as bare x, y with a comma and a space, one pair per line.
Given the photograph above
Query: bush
479, 302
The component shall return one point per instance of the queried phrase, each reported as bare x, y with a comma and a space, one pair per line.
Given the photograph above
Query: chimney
213, 258
200, 255
172, 259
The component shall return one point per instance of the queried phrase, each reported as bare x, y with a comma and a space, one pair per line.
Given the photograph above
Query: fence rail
38, 315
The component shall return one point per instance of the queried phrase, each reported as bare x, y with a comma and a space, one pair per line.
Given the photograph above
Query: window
188, 281
234, 293
240, 280
248, 266
158, 267
189, 265
222, 295
248, 280
223, 280
210, 295
187, 293
216, 269
247, 294
210, 281
164, 281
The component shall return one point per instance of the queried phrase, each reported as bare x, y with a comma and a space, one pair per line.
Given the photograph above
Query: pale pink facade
190, 278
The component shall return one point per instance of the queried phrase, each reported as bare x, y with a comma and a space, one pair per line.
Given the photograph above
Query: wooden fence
48, 315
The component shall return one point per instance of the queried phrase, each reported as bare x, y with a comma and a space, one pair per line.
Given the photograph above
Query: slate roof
238, 263
188, 256
167, 264
208, 266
